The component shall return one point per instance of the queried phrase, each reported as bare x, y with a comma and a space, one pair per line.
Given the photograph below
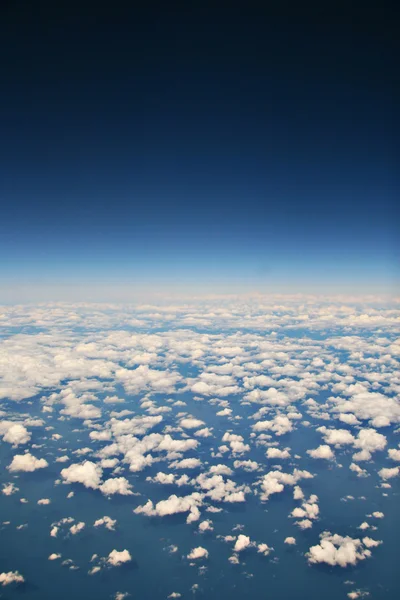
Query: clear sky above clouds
195, 150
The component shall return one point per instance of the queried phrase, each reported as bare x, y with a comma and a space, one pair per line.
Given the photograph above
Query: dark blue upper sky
197, 144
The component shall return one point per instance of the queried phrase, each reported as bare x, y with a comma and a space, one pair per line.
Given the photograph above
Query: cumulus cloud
324, 451
116, 485
290, 540
88, 473
14, 433
338, 550
27, 462
108, 523
117, 558
197, 553
242, 542
11, 577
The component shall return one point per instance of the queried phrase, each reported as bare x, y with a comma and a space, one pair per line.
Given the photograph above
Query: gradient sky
196, 147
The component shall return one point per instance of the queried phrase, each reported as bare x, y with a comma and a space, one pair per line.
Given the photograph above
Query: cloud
117, 558
322, 451
173, 505
44, 501
108, 523
27, 462
116, 485
290, 540
337, 550
274, 482
54, 556
9, 489
191, 423
278, 425
87, 473
242, 542
277, 453
197, 553
14, 433
389, 473
74, 529
11, 577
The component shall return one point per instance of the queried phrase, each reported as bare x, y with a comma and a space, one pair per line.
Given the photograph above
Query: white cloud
337, 550
88, 473
389, 473
9, 489
116, 485
14, 433
324, 451
290, 540
77, 527
198, 552
27, 462
108, 523
242, 542
11, 577
117, 558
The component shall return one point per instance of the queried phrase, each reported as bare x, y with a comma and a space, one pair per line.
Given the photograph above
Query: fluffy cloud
242, 542
322, 451
198, 552
337, 550
27, 462
87, 473
108, 523
274, 482
116, 485
14, 433
11, 577
278, 425
117, 558
173, 505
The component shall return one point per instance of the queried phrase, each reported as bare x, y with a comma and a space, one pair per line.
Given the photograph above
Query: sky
196, 149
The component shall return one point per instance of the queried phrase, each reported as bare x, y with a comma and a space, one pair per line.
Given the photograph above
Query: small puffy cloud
88, 473
389, 473
186, 463
337, 550
173, 505
279, 425
394, 454
191, 423
274, 482
336, 437
116, 485
205, 432
44, 501
74, 529
277, 453
54, 556
264, 549
370, 543
198, 552
205, 526
242, 542
324, 451
11, 577
349, 419
117, 558
247, 465
290, 540
108, 523
9, 489
378, 514
16, 434
27, 462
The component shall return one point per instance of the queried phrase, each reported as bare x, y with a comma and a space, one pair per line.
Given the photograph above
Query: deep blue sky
197, 145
